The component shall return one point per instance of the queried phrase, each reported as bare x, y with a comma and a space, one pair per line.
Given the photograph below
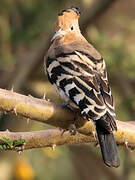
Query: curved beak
58, 33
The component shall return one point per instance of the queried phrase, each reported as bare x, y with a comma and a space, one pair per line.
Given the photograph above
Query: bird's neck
69, 38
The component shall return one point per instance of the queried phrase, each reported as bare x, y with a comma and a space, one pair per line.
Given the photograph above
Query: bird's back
78, 72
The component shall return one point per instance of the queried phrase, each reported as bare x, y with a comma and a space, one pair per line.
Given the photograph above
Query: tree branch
40, 139
56, 115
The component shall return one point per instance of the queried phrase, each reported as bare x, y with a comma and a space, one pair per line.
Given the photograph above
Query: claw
72, 129
63, 131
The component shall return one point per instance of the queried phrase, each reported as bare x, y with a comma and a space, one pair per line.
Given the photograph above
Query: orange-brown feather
65, 21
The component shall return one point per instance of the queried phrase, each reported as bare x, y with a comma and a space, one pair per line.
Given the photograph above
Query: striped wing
83, 80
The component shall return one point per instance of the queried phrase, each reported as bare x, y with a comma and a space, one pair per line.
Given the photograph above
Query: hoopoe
78, 73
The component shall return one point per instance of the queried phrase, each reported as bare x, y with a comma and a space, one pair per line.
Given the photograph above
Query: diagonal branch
47, 112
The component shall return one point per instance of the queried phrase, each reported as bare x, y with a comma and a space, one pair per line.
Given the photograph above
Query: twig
40, 139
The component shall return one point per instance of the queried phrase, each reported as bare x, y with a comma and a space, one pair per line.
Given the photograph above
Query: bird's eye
72, 28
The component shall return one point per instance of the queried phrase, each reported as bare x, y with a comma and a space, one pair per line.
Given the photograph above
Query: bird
78, 73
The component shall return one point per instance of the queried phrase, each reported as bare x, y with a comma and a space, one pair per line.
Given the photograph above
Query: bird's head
67, 23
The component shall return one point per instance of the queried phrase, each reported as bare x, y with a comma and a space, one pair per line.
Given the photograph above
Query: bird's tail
108, 147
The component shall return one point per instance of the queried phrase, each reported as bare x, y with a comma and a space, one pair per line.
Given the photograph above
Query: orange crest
66, 18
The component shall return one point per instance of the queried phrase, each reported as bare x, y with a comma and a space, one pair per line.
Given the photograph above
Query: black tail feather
108, 147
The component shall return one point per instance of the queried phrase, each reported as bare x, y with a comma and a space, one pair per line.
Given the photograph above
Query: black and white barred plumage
78, 73
79, 78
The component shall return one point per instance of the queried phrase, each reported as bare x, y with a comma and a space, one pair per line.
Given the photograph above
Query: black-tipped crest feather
74, 8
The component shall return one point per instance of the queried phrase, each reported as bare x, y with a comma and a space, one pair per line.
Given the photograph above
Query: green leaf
19, 142
8, 141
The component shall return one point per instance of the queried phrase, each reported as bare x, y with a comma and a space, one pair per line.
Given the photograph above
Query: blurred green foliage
23, 23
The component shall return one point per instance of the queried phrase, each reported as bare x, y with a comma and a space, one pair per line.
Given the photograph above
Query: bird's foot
62, 131
73, 130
